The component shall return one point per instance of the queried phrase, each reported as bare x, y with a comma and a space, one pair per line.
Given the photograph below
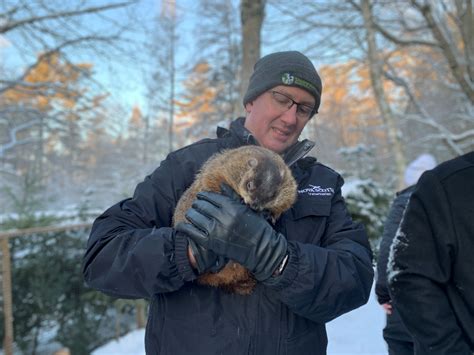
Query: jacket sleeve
420, 270
390, 228
324, 281
132, 251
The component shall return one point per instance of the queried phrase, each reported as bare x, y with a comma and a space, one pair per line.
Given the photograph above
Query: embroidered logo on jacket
313, 190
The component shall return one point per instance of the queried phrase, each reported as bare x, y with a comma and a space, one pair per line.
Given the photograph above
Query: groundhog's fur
263, 181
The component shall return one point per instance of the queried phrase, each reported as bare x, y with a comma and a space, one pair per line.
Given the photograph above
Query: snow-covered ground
357, 332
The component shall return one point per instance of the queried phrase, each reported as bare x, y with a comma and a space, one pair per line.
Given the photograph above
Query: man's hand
221, 223
204, 260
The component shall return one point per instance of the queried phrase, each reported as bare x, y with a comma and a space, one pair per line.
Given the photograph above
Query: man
431, 277
313, 265
397, 337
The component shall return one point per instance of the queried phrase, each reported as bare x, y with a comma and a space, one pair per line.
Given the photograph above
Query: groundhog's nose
255, 205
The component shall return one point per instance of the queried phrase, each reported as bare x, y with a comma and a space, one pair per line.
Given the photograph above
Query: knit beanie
289, 68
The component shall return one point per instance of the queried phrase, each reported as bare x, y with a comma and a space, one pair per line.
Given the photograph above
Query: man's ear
248, 106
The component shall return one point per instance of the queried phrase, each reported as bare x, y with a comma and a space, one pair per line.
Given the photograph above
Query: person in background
312, 265
397, 337
431, 278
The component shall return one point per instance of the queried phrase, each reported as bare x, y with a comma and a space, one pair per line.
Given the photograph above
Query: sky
354, 333
123, 77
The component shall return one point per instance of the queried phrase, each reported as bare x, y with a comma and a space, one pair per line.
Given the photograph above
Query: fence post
7, 297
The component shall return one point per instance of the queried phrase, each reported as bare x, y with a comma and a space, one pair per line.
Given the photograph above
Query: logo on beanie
289, 79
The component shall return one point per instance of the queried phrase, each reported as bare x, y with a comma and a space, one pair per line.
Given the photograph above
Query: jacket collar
237, 130
298, 151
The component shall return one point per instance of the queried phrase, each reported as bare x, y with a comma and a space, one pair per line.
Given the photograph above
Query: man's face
274, 125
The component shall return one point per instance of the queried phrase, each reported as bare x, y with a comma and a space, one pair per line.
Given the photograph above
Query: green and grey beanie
290, 68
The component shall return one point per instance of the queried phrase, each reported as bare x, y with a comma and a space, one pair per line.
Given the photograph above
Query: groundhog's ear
252, 162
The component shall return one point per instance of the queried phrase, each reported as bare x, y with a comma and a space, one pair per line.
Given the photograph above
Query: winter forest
94, 94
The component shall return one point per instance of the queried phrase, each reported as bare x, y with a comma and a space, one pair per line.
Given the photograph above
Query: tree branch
424, 117
393, 37
10, 26
13, 139
447, 49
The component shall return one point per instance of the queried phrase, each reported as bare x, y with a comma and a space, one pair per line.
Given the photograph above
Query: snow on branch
14, 141
424, 117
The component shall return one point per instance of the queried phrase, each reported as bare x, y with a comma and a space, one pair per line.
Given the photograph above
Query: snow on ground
355, 333
358, 332
130, 344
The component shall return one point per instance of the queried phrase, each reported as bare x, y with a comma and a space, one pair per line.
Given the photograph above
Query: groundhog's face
259, 185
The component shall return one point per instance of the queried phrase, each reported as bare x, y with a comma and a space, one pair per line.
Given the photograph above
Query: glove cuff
181, 254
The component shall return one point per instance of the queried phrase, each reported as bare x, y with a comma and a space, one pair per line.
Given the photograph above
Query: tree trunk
7, 297
140, 307
467, 23
171, 98
252, 13
450, 52
376, 75
169, 12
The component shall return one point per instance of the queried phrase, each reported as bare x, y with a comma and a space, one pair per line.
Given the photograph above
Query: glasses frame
293, 102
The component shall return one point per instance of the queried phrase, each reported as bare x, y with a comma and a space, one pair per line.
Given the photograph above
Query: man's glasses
303, 111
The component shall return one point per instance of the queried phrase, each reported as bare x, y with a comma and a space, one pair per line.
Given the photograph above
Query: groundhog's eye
250, 185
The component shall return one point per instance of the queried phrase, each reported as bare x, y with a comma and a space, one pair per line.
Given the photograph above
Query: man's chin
277, 146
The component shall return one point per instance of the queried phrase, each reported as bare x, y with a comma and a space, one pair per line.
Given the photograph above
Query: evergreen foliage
51, 303
368, 202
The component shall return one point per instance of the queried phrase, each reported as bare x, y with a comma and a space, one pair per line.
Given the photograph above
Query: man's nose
289, 116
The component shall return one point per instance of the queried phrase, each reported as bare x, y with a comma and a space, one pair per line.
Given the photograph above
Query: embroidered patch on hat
289, 79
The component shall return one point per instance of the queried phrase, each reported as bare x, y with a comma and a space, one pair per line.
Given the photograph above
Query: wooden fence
6, 273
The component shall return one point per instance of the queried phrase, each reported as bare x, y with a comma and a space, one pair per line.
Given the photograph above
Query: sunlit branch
8, 26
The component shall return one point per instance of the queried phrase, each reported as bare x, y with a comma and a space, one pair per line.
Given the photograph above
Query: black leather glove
221, 223
206, 260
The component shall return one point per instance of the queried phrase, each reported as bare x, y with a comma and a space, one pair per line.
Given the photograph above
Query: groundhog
263, 181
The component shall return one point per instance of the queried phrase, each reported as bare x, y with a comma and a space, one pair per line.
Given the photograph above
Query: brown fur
263, 181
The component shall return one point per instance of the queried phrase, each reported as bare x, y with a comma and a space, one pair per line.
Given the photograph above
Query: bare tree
442, 29
252, 14
48, 28
219, 44
420, 64
48, 95
448, 27
54, 30
376, 76
162, 79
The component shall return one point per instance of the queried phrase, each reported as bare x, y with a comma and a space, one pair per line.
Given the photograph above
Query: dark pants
396, 336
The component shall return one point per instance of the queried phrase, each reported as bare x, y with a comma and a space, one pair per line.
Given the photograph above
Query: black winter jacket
431, 273
390, 227
132, 253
